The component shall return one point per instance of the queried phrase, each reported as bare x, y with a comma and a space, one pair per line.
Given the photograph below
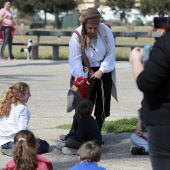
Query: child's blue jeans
8, 145
43, 146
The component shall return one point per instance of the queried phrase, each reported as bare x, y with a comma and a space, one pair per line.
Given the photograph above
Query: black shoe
102, 142
135, 150
11, 58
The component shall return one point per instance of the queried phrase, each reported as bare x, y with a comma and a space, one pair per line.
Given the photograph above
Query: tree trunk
97, 2
45, 18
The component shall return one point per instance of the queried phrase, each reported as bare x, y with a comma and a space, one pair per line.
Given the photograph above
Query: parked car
37, 22
134, 17
134, 14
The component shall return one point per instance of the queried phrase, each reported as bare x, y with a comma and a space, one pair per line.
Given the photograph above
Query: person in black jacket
153, 80
88, 129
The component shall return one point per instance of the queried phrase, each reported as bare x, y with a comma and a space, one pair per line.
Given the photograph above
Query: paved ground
49, 82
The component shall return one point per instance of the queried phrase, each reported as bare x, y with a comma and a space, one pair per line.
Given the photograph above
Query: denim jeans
139, 141
43, 146
7, 39
8, 145
159, 146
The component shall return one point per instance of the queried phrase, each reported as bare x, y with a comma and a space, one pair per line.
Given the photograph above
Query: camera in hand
160, 22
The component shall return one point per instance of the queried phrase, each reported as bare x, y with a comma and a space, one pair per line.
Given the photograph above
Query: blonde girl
14, 114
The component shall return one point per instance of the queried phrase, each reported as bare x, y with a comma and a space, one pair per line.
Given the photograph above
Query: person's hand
136, 55
4, 16
142, 135
150, 32
139, 133
85, 69
62, 137
97, 75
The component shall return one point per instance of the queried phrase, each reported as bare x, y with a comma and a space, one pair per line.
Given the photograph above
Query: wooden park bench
56, 46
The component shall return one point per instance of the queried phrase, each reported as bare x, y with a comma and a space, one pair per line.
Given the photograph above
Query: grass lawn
46, 52
117, 126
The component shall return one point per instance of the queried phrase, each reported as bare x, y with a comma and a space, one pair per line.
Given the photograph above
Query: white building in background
86, 4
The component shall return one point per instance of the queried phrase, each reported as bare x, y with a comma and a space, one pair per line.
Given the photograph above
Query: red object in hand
81, 84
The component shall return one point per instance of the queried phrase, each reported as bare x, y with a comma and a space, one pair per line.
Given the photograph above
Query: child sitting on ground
88, 129
139, 138
88, 155
15, 116
24, 154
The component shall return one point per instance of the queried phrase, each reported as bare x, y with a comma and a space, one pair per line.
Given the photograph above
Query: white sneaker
69, 151
60, 145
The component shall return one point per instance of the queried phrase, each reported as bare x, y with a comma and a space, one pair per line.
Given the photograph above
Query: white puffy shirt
95, 57
17, 120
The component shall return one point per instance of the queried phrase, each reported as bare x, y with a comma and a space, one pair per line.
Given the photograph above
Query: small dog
27, 50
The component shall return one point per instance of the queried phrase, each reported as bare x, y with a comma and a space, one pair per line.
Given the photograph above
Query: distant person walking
158, 30
7, 28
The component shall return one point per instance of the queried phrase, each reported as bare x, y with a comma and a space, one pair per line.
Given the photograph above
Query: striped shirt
17, 120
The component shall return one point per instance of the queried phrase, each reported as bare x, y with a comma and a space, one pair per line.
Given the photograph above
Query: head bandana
90, 15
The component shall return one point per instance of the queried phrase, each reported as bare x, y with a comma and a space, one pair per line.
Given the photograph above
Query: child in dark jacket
88, 129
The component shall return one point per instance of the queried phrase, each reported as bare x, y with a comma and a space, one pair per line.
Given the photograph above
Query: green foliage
65, 126
30, 6
120, 56
25, 6
117, 126
121, 125
153, 6
120, 3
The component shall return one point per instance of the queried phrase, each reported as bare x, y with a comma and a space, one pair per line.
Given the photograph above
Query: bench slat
56, 46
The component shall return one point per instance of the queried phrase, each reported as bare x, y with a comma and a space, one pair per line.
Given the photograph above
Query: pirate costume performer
97, 42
